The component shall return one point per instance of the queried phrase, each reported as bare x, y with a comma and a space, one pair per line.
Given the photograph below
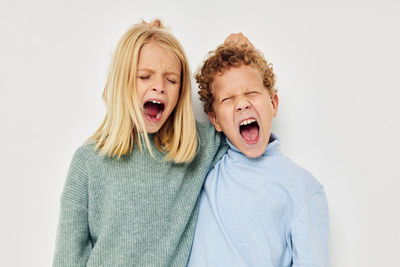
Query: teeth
248, 121
155, 102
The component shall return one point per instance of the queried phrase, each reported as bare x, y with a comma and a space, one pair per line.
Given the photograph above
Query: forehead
236, 80
153, 56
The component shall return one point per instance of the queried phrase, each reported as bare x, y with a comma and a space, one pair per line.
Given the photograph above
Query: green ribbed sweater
132, 211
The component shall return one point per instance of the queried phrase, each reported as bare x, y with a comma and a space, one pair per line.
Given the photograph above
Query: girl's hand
238, 39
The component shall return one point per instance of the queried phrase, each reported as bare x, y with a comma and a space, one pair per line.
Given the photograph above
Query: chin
150, 129
255, 151
253, 154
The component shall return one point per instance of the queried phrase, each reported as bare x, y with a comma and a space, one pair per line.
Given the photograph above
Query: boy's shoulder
274, 167
296, 176
298, 184
289, 180
293, 178
290, 172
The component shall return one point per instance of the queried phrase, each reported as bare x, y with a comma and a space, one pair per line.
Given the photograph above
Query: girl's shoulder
87, 153
87, 149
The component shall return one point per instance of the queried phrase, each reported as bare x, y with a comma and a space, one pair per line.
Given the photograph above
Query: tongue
249, 132
152, 109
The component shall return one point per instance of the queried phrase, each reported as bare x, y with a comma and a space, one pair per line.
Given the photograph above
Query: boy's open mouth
249, 130
153, 109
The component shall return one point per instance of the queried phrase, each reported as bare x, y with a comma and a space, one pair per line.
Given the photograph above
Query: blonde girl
130, 197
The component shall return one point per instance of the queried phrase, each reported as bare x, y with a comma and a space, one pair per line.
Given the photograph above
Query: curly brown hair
224, 58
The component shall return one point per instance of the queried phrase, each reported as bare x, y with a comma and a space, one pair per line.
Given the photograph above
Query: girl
130, 197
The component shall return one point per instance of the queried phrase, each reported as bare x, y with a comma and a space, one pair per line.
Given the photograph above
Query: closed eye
226, 99
253, 93
172, 81
144, 77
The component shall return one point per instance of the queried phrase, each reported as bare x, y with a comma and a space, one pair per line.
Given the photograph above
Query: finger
238, 39
230, 39
155, 24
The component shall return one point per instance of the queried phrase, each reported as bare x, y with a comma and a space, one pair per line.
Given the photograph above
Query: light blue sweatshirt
265, 211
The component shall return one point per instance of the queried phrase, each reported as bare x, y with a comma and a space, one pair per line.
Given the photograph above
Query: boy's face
243, 109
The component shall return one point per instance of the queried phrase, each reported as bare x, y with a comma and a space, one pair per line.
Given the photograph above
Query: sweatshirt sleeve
73, 243
310, 233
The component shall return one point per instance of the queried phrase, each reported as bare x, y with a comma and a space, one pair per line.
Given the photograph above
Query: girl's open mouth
249, 130
153, 110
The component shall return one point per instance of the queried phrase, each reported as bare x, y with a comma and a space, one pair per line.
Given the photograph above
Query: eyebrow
167, 73
173, 73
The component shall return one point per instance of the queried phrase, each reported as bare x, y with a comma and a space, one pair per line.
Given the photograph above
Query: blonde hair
123, 124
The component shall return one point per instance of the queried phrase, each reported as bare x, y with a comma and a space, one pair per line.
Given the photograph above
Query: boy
257, 207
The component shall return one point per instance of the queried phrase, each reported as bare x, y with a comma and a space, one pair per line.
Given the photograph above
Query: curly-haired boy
257, 207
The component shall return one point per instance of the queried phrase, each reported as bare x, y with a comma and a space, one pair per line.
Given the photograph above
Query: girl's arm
73, 244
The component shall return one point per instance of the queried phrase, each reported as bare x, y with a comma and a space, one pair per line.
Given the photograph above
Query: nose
159, 86
158, 89
242, 105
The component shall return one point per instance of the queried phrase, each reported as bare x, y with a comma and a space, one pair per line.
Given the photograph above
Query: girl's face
157, 84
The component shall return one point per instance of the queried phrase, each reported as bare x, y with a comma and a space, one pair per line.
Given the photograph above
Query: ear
214, 121
275, 103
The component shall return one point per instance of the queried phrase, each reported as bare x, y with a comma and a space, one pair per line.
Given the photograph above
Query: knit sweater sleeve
310, 233
212, 140
73, 243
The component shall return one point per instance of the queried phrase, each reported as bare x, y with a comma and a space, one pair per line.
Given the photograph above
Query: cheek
174, 97
225, 119
140, 89
226, 116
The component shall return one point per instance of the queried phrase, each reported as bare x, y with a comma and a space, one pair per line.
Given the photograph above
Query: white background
337, 65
